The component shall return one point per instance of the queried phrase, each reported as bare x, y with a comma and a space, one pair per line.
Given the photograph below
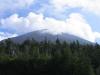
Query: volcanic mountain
41, 35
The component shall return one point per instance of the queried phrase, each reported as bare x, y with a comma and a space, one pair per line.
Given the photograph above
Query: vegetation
48, 58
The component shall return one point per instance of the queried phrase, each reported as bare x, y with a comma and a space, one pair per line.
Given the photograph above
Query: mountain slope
41, 35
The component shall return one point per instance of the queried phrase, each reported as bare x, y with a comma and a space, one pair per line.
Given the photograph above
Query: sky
77, 17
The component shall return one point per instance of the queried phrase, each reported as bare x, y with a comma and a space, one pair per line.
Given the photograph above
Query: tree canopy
49, 58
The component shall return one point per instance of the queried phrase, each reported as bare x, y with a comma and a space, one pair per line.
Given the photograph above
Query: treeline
49, 58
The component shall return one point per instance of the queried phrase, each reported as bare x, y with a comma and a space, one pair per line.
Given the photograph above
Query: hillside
49, 58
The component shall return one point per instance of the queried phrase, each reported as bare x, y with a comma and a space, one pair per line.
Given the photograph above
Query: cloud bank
92, 6
14, 5
75, 24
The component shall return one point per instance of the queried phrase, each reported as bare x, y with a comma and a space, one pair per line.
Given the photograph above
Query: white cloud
75, 24
97, 34
18, 24
88, 5
14, 4
5, 35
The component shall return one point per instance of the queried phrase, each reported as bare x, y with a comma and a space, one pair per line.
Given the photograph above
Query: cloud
88, 5
97, 34
18, 24
13, 5
5, 35
75, 24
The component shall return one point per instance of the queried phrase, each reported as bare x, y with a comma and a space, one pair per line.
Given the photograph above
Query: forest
49, 58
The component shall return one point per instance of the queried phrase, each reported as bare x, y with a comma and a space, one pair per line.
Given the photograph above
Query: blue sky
78, 17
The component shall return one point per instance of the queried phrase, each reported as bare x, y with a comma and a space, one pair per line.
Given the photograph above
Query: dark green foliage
48, 58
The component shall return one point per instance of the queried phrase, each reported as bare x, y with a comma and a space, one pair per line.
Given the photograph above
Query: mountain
41, 35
